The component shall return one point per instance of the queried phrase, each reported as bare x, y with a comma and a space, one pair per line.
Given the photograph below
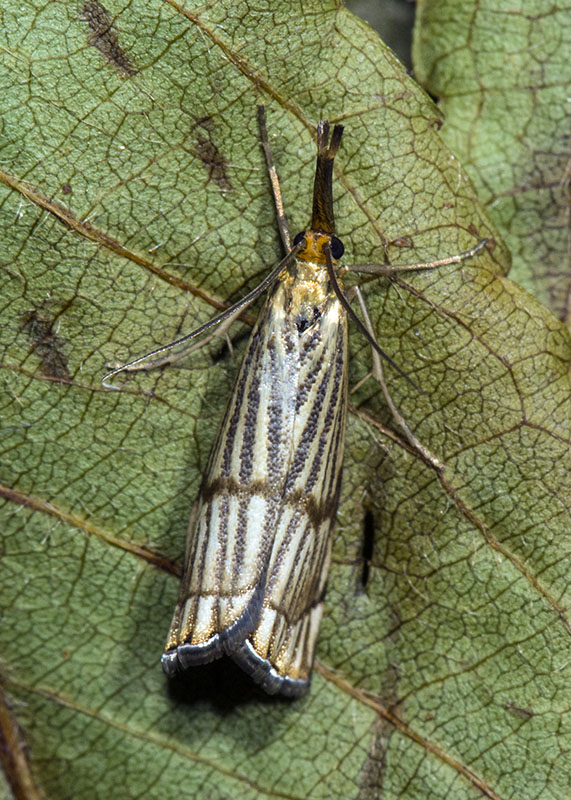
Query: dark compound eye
299, 238
337, 248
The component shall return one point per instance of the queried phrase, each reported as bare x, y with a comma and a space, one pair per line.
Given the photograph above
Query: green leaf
501, 72
134, 201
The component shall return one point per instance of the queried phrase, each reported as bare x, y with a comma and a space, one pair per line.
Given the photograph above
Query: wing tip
266, 676
179, 658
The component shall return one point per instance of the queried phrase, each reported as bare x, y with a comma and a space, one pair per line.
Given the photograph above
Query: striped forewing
259, 540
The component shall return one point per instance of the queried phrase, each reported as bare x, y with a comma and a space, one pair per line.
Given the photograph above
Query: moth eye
299, 238
337, 248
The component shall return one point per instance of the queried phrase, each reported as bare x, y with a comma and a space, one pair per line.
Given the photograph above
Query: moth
259, 540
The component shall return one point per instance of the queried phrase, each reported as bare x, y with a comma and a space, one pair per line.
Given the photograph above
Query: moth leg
377, 371
379, 376
173, 356
230, 314
377, 269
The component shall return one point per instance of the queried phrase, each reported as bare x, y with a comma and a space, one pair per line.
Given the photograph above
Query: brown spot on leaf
46, 344
66, 188
215, 163
524, 713
104, 37
402, 241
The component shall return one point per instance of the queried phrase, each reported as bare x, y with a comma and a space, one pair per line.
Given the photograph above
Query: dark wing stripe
329, 390
249, 421
333, 459
231, 423
307, 381
312, 427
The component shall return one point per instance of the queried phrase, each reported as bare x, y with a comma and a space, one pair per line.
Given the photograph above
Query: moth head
313, 243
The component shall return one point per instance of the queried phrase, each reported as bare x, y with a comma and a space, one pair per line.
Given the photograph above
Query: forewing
280, 650
233, 523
